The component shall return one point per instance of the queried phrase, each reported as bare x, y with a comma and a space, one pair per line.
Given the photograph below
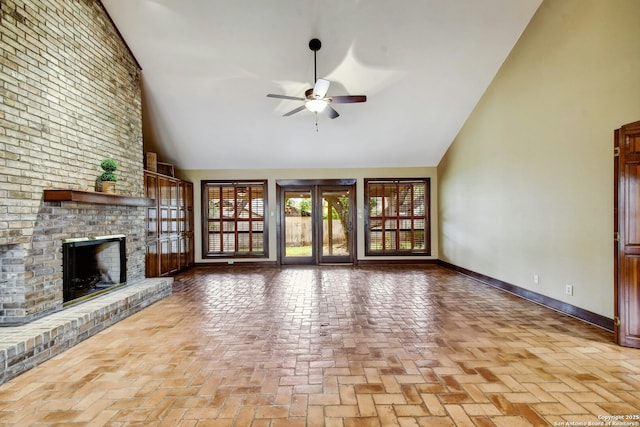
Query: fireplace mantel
95, 198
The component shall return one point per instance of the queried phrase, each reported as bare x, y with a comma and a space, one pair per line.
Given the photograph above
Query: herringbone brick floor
333, 346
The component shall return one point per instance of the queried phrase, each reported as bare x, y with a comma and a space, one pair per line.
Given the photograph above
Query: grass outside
299, 251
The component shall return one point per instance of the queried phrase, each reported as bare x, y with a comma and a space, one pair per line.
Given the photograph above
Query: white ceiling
207, 66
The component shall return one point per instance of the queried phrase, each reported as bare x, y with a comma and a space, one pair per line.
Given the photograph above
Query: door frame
315, 185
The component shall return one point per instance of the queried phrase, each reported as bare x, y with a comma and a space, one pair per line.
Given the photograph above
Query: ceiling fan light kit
316, 105
316, 99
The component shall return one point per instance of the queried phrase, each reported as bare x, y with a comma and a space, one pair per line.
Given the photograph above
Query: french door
315, 221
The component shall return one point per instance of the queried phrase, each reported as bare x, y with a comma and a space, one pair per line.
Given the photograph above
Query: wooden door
627, 232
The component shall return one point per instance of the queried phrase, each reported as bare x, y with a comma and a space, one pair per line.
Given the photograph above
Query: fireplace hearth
92, 266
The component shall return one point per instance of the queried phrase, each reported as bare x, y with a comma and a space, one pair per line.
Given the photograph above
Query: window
397, 217
234, 218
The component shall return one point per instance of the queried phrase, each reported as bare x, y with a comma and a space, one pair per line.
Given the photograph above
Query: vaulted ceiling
207, 66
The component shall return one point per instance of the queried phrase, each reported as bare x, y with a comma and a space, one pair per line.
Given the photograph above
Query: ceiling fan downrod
315, 45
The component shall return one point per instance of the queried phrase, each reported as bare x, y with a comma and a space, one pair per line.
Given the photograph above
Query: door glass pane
297, 223
336, 225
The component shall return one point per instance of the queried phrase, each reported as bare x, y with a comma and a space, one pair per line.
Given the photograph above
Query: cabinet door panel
165, 257
152, 222
174, 257
165, 221
151, 185
173, 223
152, 260
151, 191
191, 256
181, 194
182, 221
188, 206
183, 247
164, 191
173, 192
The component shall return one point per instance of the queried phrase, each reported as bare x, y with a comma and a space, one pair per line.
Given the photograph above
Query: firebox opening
92, 266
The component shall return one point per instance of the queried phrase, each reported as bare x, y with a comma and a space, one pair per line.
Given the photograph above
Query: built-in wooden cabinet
169, 224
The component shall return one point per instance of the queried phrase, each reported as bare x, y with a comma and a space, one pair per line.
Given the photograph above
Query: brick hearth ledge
23, 347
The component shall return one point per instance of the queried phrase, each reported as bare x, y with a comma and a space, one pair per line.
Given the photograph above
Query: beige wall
272, 176
527, 187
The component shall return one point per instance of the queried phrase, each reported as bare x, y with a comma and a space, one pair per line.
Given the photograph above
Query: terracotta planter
108, 187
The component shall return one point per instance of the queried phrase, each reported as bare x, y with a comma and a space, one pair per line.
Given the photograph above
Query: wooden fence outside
298, 231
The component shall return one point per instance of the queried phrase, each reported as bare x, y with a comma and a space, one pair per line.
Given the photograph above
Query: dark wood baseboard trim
554, 304
235, 264
364, 262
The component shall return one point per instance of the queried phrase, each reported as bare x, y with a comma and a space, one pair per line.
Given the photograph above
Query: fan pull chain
316, 122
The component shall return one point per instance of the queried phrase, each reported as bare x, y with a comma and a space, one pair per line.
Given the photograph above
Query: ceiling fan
316, 99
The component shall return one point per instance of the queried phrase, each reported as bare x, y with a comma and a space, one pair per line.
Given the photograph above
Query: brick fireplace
33, 274
71, 97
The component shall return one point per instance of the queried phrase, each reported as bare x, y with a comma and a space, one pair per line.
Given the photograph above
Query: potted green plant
108, 178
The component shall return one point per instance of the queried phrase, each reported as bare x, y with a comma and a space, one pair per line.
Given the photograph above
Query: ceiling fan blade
331, 112
347, 99
295, 110
295, 98
320, 88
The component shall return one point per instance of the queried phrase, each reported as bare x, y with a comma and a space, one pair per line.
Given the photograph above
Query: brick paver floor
333, 346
